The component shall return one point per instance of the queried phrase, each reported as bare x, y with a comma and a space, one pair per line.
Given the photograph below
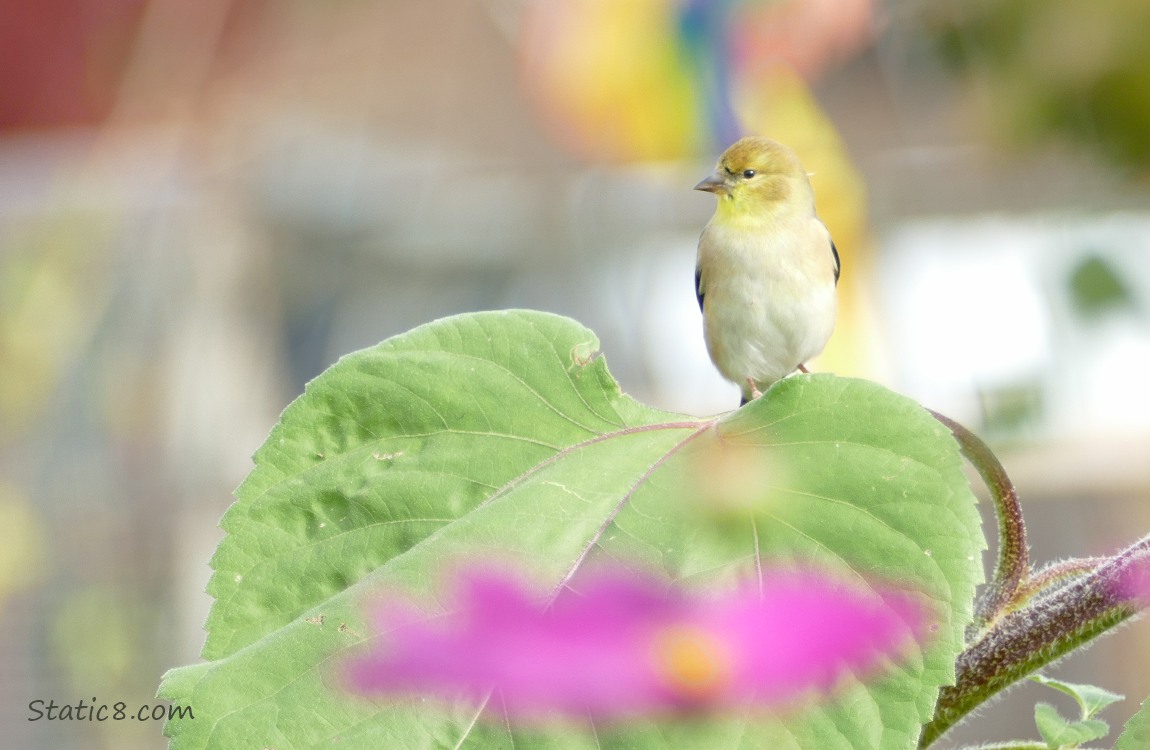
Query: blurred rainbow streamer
703, 34
624, 81
640, 80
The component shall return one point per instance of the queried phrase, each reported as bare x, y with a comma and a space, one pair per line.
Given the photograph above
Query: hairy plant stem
1015, 745
1057, 574
1012, 566
1046, 628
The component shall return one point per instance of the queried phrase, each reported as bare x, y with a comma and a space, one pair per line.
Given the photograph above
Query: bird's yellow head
758, 176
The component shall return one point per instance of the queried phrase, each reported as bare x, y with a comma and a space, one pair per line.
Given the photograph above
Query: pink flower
622, 645
1130, 574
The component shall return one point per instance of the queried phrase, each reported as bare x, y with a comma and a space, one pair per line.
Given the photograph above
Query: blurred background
203, 205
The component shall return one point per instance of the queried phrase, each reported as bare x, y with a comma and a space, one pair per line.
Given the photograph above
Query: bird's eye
748, 173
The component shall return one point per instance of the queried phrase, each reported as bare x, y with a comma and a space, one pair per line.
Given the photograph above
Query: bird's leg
755, 392
803, 368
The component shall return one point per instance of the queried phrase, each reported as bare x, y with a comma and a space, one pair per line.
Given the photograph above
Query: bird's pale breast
769, 297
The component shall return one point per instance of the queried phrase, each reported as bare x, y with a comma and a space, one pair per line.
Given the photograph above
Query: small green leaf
1096, 288
1061, 734
1136, 734
1091, 699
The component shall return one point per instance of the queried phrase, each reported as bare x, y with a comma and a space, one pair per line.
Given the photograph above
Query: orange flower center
691, 661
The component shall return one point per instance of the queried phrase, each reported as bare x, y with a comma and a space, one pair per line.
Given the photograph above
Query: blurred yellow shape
777, 103
611, 79
50, 294
734, 480
96, 636
21, 543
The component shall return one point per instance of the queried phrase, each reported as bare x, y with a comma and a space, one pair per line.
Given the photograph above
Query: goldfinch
767, 269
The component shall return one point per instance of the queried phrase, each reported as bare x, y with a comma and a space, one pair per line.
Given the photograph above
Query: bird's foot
803, 368
755, 392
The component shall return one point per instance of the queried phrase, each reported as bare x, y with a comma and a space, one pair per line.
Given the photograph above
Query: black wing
699, 287
834, 252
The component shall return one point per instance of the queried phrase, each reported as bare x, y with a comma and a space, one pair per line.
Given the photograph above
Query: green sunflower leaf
502, 436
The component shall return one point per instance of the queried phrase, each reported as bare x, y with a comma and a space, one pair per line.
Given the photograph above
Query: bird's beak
716, 184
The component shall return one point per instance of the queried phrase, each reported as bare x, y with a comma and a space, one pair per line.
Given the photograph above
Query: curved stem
1013, 564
